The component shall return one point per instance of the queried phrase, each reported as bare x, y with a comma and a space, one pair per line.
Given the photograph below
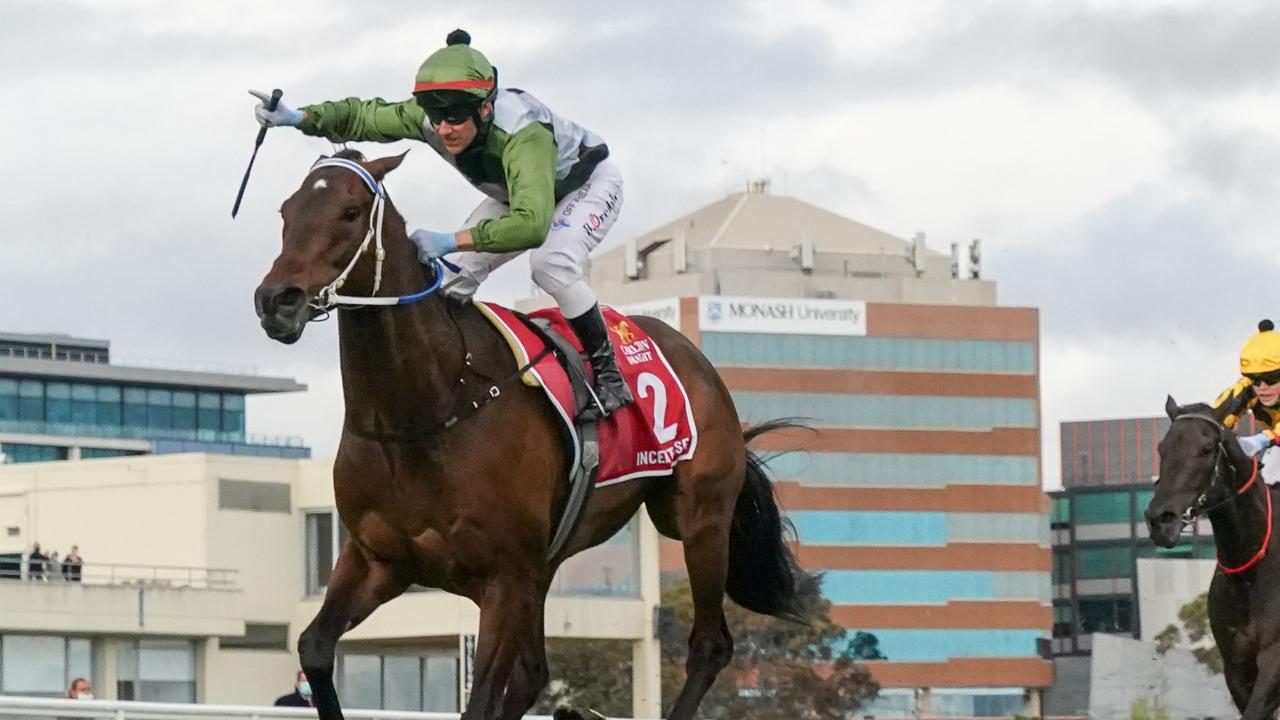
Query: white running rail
12, 706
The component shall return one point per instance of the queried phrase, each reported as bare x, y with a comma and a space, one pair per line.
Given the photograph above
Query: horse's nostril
290, 299
1167, 518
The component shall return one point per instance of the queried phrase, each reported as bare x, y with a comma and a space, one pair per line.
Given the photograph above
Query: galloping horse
1204, 471
442, 489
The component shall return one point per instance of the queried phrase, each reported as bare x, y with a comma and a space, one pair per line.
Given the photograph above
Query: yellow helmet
1261, 354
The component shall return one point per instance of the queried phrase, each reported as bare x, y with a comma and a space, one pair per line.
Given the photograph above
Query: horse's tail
763, 574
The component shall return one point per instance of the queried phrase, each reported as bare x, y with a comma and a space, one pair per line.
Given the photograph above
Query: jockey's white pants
580, 222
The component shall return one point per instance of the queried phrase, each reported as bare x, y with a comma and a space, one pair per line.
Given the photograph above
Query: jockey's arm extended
528, 161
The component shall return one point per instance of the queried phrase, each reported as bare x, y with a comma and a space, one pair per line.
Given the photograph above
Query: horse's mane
1201, 408
349, 154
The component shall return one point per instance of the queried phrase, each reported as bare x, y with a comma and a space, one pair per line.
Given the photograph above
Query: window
8, 399
30, 400
22, 453
609, 569
1102, 507
1061, 568
878, 353
1106, 615
58, 402
1105, 562
1061, 621
322, 546
893, 470
255, 496
233, 414
184, 410
258, 636
42, 665
1061, 511
159, 409
418, 682
209, 413
156, 671
107, 412
135, 407
889, 411
83, 410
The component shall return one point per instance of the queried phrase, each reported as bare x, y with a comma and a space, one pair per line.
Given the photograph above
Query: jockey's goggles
453, 107
1267, 378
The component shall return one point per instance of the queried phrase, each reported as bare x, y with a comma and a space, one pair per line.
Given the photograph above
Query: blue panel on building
842, 527
938, 645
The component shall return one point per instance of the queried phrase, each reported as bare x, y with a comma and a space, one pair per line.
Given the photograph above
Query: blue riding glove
432, 244
282, 115
1254, 444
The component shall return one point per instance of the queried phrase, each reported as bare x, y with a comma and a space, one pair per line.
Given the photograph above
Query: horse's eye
351, 214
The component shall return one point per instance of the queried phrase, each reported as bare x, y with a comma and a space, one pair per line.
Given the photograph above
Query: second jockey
1258, 390
551, 187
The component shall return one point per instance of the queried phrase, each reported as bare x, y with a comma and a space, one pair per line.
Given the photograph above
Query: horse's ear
380, 167
1171, 407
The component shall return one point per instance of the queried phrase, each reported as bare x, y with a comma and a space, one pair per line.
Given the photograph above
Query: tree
780, 669
1195, 622
1144, 709
593, 674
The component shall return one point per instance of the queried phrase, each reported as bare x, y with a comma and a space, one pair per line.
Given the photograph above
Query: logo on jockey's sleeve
623, 330
559, 223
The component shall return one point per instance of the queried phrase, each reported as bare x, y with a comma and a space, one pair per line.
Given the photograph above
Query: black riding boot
609, 386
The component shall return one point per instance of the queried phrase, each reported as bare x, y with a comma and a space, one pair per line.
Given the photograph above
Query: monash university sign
721, 313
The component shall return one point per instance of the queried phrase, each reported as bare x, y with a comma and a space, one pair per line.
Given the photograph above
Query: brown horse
437, 492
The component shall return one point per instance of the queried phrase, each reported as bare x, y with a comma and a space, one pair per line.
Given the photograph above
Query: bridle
328, 297
1231, 492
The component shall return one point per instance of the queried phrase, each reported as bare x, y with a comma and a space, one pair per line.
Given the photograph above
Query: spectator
301, 695
80, 690
71, 565
53, 567
35, 563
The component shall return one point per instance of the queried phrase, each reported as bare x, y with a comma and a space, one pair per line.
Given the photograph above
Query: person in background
71, 565
53, 567
35, 563
301, 695
80, 690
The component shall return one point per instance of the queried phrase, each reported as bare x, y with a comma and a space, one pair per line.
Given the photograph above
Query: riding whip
262, 134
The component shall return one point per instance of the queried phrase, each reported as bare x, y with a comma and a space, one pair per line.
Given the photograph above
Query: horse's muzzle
283, 311
1165, 528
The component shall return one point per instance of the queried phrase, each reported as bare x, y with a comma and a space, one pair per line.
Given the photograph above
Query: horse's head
1198, 460
327, 223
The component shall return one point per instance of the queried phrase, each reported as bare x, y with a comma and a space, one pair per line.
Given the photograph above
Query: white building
201, 570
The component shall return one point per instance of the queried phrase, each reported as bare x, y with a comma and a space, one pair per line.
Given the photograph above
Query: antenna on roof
804, 253
916, 257
975, 259
955, 261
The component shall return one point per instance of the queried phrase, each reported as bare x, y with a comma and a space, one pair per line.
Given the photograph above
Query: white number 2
645, 383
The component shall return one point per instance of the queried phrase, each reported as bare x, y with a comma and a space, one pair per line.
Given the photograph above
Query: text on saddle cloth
645, 438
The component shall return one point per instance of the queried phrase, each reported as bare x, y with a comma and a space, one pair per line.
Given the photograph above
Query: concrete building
201, 570
919, 497
62, 398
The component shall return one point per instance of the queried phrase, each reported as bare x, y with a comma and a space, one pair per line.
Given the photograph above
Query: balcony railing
121, 432
19, 569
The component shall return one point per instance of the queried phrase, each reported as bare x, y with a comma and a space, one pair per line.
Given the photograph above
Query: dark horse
1203, 470
470, 506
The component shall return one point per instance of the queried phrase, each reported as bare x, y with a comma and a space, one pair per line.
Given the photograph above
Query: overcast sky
1120, 160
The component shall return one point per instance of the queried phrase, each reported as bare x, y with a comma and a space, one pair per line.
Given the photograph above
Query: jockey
1258, 390
551, 188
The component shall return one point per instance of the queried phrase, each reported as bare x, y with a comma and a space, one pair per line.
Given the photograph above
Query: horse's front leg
507, 610
1265, 698
358, 585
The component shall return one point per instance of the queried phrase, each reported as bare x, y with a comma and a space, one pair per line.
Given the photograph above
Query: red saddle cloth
647, 437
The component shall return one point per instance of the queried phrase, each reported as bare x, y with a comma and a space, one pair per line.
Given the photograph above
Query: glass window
31, 400
1102, 507
184, 410
1106, 615
609, 569
1061, 510
34, 664
1104, 562
159, 409
1061, 568
58, 402
361, 682
108, 412
135, 407
401, 683
209, 413
156, 671
83, 404
440, 682
889, 411
22, 453
762, 350
8, 399
320, 551
233, 415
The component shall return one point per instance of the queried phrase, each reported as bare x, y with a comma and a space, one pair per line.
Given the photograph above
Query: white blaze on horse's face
320, 184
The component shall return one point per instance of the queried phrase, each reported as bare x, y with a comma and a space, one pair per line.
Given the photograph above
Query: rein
328, 297
1202, 501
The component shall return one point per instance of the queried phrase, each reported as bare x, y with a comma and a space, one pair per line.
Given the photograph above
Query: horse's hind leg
357, 587
1265, 698
704, 507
